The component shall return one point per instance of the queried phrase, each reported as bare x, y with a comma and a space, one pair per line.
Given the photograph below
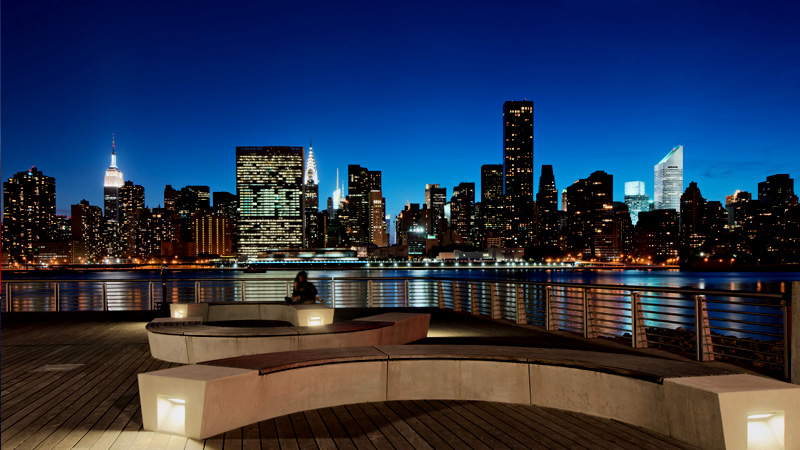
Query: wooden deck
69, 381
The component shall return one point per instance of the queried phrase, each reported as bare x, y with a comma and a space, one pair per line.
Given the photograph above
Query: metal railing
748, 327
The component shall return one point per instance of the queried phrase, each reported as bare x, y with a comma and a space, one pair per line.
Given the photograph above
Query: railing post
408, 292
638, 332
197, 291
549, 310
288, 292
793, 341
473, 300
495, 301
9, 304
243, 291
56, 296
519, 302
787, 354
369, 293
441, 294
456, 301
588, 322
105, 297
150, 299
704, 348
333, 293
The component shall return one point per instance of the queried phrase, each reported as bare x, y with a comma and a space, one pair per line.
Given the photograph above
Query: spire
311, 171
113, 152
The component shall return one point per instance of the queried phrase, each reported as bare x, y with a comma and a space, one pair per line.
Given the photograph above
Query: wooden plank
214, 442
397, 439
321, 435
475, 438
601, 426
114, 420
176, 443
437, 427
29, 387
39, 413
159, 442
549, 430
302, 432
233, 440
355, 432
286, 436
89, 402
402, 414
250, 438
507, 433
401, 426
269, 435
370, 430
114, 399
339, 435
479, 428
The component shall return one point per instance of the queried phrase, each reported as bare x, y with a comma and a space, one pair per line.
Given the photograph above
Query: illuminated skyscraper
131, 200
113, 181
29, 213
269, 185
360, 182
492, 217
668, 183
314, 238
636, 199
518, 171
462, 210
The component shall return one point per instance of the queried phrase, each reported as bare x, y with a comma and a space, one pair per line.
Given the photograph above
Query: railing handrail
622, 287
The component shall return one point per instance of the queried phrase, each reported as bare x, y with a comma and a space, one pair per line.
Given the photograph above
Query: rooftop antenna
113, 152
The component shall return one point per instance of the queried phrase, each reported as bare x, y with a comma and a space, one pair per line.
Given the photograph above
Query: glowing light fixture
171, 414
765, 430
316, 320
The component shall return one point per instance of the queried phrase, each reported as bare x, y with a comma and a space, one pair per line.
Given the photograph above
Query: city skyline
614, 88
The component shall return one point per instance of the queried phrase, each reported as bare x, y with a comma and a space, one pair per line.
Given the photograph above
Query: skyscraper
462, 210
29, 213
518, 171
269, 186
435, 199
113, 181
360, 182
131, 200
547, 208
492, 217
377, 226
636, 199
668, 180
311, 199
590, 217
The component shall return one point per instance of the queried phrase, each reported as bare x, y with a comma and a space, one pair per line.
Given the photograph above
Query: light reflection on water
136, 296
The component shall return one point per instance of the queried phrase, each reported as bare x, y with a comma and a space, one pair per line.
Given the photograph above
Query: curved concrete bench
189, 340
691, 402
297, 315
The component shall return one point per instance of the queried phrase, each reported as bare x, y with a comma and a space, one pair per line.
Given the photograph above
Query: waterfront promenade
69, 381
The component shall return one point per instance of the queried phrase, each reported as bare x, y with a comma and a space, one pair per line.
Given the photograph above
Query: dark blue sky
412, 89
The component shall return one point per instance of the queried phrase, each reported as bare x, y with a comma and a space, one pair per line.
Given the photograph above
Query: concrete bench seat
698, 404
190, 340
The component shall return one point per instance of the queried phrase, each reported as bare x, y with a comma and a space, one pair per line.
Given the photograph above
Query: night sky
413, 89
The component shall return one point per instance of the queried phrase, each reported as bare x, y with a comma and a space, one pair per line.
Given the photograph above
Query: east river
767, 282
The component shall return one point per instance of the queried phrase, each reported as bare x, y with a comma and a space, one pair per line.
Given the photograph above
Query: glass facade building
668, 180
636, 199
269, 186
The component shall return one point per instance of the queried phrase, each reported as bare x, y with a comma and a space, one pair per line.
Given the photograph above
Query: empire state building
113, 182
